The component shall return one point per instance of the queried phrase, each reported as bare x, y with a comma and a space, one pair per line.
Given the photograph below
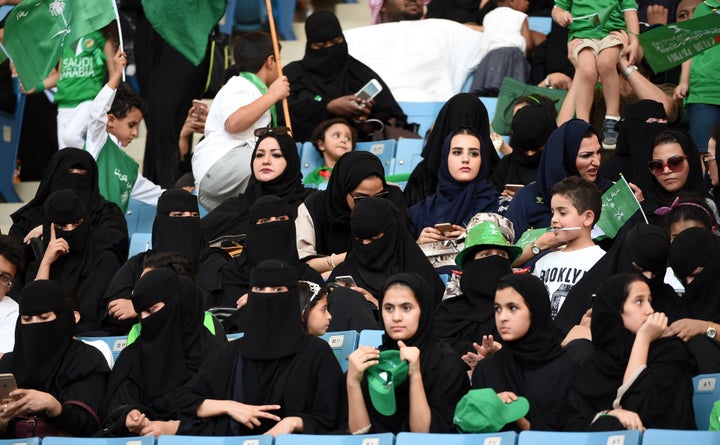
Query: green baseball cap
383, 378
484, 235
482, 411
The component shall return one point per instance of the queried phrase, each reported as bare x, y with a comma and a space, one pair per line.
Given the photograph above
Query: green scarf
260, 85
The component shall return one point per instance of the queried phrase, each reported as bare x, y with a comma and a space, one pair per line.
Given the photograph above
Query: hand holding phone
346, 280
444, 227
369, 90
7, 385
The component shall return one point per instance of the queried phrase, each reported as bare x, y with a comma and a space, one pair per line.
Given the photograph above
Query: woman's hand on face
56, 248
654, 326
251, 415
360, 360
28, 401
412, 355
629, 419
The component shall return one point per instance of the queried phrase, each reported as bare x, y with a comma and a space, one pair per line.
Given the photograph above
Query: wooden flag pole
276, 50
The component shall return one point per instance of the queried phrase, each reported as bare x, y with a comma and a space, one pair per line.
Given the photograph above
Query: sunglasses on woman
675, 164
275, 131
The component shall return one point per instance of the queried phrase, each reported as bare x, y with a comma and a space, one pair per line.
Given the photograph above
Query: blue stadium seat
423, 113
10, 125
310, 159
371, 337
629, 437
24, 441
214, 440
407, 155
251, 15
674, 437
226, 22
139, 217
706, 392
144, 440
116, 344
385, 150
504, 438
540, 24
491, 104
140, 242
343, 343
360, 439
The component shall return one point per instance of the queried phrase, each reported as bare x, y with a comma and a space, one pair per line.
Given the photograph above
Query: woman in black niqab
292, 379
49, 361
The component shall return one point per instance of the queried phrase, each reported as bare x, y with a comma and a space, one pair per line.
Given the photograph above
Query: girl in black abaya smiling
436, 377
274, 380
60, 380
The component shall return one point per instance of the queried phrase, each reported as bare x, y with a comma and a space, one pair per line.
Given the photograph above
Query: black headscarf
274, 326
231, 217
329, 209
692, 248
396, 251
327, 66
455, 202
635, 143
461, 110
177, 234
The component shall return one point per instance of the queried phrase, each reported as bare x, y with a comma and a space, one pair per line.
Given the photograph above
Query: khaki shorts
596, 45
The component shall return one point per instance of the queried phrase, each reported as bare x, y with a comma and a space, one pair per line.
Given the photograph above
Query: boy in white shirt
115, 114
576, 205
12, 258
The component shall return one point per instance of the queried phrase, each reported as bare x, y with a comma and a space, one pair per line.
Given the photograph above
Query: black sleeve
444, 390
111, 230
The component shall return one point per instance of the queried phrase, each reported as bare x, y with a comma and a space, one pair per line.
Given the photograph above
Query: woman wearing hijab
531, 127
75, 169
172, 338
436, 377
643, 250
176, 229
323, 84
323, 222
675, 166
270, 236
73, 258
531, 363
695, 259
463, 189
572, 149
381, 247
462, 110
275, 171
635, 379
274, 380
61, 381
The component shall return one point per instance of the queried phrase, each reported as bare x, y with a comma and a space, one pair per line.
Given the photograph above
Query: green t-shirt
705, 67
584, 11
82, 71
117, 173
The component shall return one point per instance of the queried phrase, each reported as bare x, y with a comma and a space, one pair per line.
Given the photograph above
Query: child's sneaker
610, 134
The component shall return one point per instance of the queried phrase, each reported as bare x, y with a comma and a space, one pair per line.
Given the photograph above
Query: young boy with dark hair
576, 205
12, 257
221, 162
115, 116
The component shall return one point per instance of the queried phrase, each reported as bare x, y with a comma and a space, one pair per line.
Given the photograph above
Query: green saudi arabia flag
671, 45
618, 206
185, 25
37, 30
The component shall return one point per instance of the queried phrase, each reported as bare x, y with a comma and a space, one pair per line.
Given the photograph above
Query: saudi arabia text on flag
618, 206
671, 45
37, 30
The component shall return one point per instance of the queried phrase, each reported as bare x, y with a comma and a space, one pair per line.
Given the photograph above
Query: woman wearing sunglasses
675, 165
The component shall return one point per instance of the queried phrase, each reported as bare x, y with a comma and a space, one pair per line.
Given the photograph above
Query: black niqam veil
47, 358
110, 227
534, 366
274, 363
444, 375
231, 216
464, 319
661, 394
177, 234
329, 209
394, 252
461, 110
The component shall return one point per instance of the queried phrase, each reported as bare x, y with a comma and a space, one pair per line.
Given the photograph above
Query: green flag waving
671, 45
185, 25
618, 206
37, 30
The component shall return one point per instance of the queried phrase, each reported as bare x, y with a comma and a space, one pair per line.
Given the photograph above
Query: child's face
126, 128
512, 314
637, 307
337, 141
319, 318
566, 216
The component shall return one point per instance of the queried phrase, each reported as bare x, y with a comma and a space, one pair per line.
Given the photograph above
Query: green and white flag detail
618, 206
37, 30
